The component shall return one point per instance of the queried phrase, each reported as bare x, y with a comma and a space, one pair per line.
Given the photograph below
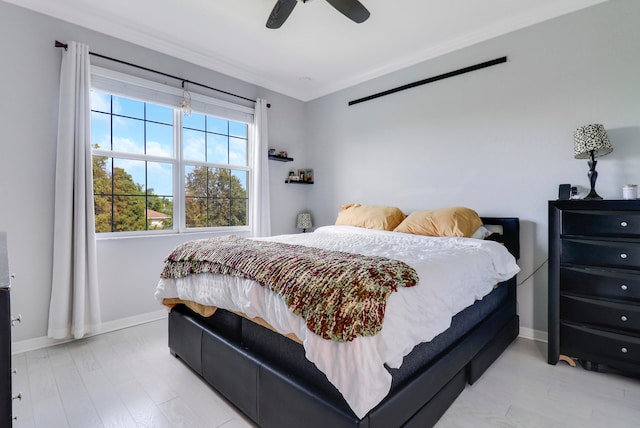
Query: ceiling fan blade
280, 13
352, 9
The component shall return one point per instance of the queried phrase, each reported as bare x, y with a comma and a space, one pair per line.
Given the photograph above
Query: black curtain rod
431, 79
65, 46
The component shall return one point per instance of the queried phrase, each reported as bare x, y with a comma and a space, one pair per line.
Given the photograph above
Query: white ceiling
317, 51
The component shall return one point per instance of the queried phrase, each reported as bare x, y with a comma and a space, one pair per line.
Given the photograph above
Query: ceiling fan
352, 9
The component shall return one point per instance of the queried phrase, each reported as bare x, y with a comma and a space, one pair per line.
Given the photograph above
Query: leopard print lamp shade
588, 138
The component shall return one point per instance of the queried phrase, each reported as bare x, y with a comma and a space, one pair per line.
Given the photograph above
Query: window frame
131, 87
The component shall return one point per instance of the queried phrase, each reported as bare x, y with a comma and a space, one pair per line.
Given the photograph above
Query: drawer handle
624, 287
18, 397
624, 350
624, 224
623, 255
624, 318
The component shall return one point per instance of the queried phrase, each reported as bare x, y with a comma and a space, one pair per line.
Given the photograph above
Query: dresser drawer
592, 344
601, 313
600, 282
586, 252
601, 223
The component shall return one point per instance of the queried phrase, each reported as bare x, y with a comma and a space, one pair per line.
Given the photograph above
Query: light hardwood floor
128, 378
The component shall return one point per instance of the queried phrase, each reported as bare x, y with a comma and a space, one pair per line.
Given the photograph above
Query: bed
263, 364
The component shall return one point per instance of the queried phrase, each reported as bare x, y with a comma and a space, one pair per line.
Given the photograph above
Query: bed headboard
510, 236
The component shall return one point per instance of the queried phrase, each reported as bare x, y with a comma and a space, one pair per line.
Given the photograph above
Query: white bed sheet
453, 272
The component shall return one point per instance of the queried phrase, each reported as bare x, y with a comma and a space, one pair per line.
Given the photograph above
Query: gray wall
128, 267
499, 140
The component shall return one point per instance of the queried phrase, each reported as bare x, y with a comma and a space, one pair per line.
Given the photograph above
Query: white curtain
260, 214
74, 309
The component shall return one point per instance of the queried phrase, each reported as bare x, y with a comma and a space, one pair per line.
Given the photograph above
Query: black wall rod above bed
119, 61
431, 79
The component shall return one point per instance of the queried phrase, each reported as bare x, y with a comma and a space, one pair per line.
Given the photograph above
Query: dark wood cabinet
594, 283
6, 398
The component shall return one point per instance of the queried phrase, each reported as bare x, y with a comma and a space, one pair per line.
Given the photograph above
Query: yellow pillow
370, 216
454, 221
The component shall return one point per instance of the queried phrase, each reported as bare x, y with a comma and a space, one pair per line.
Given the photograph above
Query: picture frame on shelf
302, 175
309, 175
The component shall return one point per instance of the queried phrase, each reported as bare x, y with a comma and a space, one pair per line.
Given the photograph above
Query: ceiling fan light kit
352, 9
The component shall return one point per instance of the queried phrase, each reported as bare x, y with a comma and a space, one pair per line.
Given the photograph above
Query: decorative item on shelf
590, 142
280, 156
304, 222
630, 191
302, 176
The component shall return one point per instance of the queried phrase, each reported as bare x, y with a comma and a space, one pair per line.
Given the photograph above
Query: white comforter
454, 272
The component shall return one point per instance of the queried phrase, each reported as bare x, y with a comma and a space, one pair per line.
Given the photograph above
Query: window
215, 195
157, 170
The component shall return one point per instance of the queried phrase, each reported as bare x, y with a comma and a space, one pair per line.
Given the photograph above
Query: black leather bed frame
266, 376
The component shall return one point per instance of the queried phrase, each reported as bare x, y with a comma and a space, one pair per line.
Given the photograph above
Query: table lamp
590, 142
304, 222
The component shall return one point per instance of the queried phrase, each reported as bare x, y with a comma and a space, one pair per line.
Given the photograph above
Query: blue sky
204, 140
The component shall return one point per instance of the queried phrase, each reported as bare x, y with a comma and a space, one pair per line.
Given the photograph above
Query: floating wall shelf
280, 158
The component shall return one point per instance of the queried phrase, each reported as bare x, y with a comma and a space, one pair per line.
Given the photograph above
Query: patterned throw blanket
339, 295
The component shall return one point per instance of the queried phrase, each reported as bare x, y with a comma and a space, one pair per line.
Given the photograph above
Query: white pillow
481, 233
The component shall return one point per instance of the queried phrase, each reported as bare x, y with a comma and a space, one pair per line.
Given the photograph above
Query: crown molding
221, 64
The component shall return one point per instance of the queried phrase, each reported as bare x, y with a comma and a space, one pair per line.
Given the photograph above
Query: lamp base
593, 175
592, 195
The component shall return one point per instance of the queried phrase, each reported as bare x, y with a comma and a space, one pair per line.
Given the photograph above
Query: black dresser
6, 417
594, 283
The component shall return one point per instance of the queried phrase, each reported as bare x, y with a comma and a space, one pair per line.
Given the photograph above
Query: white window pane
101, 130
239, 208
160, 178
128, 135
129, 213
217, 148
193, 121
100, 102
161, 114
238, 129
237, 151
128, 176
127, 107
196, 181
159, 139
193, 145
217, 125
239, 184
159, 213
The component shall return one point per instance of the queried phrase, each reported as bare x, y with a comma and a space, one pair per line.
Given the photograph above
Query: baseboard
538, 335
43, 342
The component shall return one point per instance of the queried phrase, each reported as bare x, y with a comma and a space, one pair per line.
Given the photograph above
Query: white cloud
155, 148
127, 145
100, 101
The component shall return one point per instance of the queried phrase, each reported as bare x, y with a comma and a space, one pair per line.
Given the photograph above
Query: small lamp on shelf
590, 142
304, 221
